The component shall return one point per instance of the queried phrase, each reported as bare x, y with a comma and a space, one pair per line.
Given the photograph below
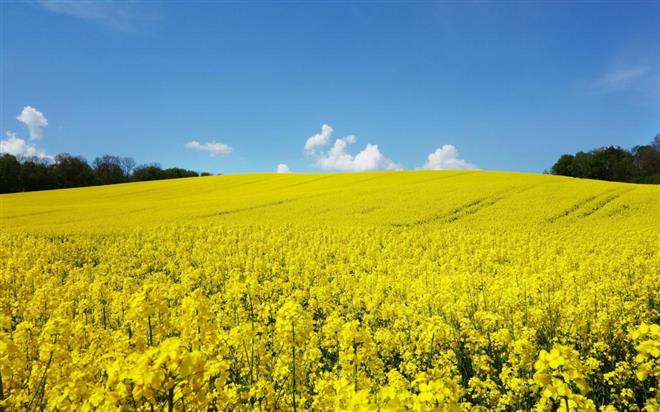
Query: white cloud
622, 77
447, 158
282, 168
34, 120
626, 76
338, 158
350, 139
214, 148
319, 139
117, 15
18, 147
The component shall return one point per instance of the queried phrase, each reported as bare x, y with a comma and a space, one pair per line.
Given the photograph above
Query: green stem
2, 395
355, 367
150, 336
430, 362
293, 365
104, 321
251, 341
199, 330
170, 400
42, 382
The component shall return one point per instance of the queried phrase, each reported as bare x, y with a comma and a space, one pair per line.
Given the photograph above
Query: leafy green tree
647, 159
176, 172
565, 166
148, 172
108, 169
10, 174
72, 171
37, 174
640, 164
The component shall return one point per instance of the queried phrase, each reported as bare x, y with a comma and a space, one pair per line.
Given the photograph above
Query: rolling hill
397, 199
332, 292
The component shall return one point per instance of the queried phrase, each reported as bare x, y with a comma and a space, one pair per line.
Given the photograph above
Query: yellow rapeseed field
457, 290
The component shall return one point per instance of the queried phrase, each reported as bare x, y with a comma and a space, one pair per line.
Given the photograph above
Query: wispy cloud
629, 76
212, 147
622, 77
338, 158
447, 158
117, 15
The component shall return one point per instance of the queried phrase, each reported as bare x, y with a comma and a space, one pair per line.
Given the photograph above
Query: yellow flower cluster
418, 310
557, 372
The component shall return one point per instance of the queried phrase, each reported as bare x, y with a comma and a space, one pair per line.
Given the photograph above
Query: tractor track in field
449, 176
241, 184
483, 204
470, 208
259, 206
248, 208
601, 200
604, 202
620, 210
467, 209
45, 212
573, 208
306, 182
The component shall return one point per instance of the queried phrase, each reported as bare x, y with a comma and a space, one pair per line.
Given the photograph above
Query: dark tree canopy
66, 171
108, 169
641, 164
72, 171
10, 172
148, 172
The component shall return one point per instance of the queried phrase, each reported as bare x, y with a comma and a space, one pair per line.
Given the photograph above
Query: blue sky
239, 87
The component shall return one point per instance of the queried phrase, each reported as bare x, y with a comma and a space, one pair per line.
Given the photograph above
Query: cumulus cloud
283, 168
34, 120
339, 159
18, 147
319, 140
214, 148
370, 158
447, 158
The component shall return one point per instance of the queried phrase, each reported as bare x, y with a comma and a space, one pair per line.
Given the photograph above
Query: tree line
641, 164
66, 171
